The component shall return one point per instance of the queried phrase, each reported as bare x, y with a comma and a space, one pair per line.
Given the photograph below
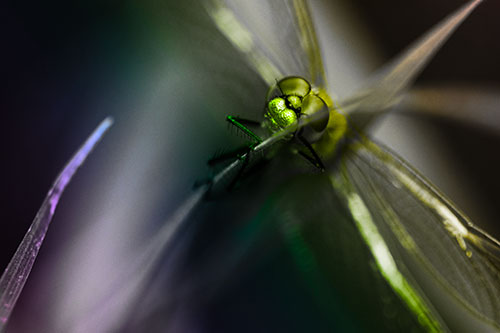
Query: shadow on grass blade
19, 268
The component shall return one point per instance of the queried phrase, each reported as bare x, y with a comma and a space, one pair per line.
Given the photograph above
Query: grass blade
19, 268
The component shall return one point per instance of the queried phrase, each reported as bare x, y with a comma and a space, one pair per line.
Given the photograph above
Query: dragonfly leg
239, 123
245, 158
240, 120
242, 153
314, 159
237, 153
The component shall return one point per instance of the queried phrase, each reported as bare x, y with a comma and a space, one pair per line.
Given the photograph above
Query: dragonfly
366, 231
414, 233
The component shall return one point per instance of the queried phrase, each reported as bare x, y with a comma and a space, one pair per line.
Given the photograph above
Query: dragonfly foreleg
239, 124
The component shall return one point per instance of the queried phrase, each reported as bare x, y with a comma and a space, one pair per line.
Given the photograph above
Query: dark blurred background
56, 56
64, 62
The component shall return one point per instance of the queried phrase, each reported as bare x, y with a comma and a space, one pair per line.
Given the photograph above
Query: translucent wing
474, 105
427, 239
277, 37
385, 89
290, 259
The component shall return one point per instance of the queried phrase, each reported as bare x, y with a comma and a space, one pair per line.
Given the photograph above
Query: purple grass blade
385, 89
18, 270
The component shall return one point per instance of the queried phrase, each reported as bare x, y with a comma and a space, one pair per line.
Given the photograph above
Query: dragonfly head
291, 98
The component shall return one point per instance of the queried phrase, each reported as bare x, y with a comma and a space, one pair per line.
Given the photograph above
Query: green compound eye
280, 114
276, 105
286, 118
295, 102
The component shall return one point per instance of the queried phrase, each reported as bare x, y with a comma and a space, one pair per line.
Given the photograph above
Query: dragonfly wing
276, 37
473, 105
430, 244
292, 259
384, 90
